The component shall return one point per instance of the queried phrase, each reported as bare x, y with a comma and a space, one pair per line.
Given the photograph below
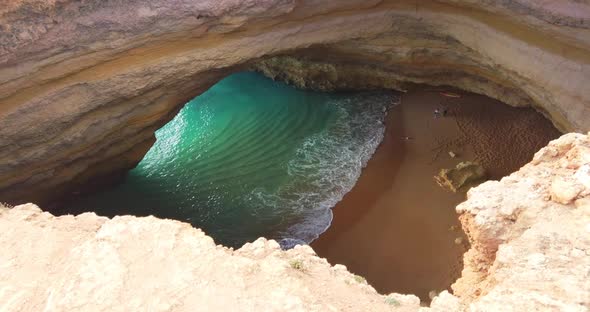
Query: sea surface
252, 157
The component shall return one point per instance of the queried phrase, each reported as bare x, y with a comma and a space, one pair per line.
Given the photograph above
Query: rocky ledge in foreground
530, 237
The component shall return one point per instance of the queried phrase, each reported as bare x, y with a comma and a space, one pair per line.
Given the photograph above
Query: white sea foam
327, 165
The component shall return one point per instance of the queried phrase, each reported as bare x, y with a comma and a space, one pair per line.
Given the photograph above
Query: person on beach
436, 113
440, 112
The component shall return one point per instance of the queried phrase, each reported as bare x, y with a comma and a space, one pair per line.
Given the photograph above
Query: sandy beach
397, 227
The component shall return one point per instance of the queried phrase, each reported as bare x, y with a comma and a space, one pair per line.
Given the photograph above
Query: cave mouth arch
92, 103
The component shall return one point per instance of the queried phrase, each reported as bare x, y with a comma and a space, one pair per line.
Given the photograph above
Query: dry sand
397, 227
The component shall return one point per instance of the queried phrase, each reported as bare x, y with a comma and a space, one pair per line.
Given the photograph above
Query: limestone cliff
84, 84
529, 232
530, 248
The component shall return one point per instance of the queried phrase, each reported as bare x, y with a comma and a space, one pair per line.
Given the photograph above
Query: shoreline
397, 227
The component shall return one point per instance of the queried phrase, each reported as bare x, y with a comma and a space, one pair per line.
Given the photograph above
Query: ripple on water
252, 157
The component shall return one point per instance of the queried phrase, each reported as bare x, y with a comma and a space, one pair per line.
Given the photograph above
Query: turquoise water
252, 157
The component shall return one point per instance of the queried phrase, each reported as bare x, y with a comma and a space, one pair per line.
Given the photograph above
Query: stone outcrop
530, 247
91, 263
84, 84
530, 252
461, 178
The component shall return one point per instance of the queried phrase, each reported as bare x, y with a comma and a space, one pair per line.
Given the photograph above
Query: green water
252, 157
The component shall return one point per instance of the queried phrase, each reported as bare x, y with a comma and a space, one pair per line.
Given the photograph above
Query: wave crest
326, 166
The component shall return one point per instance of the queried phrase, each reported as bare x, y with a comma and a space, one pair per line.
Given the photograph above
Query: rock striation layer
529, 232
84, 84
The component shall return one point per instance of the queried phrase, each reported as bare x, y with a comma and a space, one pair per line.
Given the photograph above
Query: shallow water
252, 157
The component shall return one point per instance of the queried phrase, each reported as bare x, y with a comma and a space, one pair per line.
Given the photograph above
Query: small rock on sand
464, 176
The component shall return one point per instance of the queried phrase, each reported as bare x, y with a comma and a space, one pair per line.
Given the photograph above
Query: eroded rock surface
84, 84
91, 263
461, 178
530, 238
530, 252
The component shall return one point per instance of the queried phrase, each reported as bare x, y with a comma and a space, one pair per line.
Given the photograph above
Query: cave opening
253, 157
249, 158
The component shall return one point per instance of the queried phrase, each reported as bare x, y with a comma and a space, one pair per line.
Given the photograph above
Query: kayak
450, 94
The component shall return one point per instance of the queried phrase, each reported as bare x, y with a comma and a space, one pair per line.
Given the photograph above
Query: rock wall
530, 248
84, 84
529, 232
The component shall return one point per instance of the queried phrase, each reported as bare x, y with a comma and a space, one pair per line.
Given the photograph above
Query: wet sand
397, 227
